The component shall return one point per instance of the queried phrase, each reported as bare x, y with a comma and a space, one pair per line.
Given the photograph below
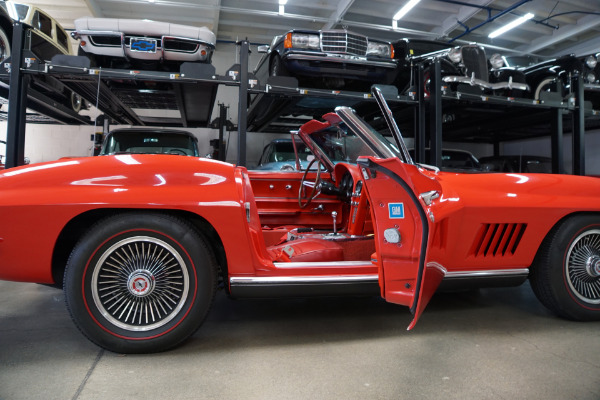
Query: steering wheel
316, 186
177, 151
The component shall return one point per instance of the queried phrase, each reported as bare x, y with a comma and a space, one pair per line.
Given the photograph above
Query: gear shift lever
334, 216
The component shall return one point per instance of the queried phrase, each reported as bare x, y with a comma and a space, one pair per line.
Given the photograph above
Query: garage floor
487, 344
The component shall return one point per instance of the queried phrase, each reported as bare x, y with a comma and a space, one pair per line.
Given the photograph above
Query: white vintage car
45, 38
144, 44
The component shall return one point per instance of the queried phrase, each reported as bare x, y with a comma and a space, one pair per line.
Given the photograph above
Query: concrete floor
487, 344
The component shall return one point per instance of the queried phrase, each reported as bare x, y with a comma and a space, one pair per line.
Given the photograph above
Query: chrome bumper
341, 58
485, 84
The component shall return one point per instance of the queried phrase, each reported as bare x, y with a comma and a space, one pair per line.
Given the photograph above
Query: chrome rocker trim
304, 286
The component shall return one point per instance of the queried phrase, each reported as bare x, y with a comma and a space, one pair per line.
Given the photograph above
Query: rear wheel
140, 283
566, 274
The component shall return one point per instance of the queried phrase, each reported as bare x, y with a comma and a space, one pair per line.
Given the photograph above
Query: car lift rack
192, 92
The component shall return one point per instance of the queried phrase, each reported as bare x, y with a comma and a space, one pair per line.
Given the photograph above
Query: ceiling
559, 27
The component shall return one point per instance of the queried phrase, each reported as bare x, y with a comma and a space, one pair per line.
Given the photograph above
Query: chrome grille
475, 60
343, 42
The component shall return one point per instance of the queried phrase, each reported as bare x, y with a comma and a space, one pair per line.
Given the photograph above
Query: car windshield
340, 143
143, 142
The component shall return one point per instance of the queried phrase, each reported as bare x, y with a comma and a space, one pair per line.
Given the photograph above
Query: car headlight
591, 62
496, 61
302, 41
380, 49
591, 77
455, 55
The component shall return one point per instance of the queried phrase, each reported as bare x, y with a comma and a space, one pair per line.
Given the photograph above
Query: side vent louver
498, 240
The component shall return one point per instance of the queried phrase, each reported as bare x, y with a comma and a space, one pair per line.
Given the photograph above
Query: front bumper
338, 65
485, 84
163, 48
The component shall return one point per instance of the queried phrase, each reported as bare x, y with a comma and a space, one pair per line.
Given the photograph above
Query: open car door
400, 196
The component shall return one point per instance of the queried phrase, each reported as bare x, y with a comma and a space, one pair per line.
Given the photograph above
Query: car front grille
179, 45
475, 60
343, 42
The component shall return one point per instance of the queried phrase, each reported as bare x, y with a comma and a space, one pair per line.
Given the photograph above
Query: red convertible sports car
140, 243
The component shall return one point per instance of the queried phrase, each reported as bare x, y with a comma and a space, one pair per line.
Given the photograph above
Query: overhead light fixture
511, 25
402, 12
282, 4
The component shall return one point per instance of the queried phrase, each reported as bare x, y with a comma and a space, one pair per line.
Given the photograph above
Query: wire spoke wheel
140, 283
583, 266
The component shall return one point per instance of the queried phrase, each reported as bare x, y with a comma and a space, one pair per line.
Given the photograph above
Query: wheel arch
557, 226
76, 227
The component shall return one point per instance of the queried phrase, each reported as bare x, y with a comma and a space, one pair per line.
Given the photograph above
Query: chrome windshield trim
363, 130
263, 280
488, 273
393, 127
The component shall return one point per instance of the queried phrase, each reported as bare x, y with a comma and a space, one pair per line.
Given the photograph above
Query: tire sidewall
571, 304
80, 269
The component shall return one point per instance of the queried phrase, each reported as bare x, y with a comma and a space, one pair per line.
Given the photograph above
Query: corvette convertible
141, 242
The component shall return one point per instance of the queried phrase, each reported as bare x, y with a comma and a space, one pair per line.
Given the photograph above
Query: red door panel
402, 224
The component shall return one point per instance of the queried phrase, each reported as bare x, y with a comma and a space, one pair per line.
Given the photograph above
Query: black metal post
17, 101
420, 136
578, 128
243, 102
556, 137
222, 120
435, 114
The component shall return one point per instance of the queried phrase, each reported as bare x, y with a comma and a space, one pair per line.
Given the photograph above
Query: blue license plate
143, 45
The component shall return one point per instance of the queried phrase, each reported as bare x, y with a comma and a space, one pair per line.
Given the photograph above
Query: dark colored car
548, 78
528, 164
45, 38
150, 141
456, 160
465, 65
335, 59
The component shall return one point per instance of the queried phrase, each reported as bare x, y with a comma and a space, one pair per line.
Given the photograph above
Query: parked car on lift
335, 59
45, 38
465, 65
143, 44
141, 242
549, 78
520, 163
150, 141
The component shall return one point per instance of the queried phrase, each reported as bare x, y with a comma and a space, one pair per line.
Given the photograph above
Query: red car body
399, 233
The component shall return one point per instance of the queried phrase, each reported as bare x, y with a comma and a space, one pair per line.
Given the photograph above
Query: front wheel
566, 274
140, 282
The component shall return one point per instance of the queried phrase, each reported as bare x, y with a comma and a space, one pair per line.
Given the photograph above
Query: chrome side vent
498, 240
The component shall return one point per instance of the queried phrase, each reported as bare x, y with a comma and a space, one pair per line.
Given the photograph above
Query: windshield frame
375, 141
